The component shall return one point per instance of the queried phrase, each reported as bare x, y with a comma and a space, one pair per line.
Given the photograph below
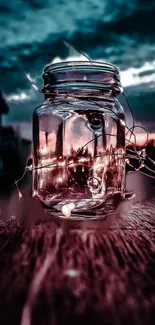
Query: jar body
79, 154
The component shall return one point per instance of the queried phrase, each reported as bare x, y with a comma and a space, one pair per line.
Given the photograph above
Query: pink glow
141, 139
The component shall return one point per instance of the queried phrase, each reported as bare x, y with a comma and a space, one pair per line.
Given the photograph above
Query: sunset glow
141, 139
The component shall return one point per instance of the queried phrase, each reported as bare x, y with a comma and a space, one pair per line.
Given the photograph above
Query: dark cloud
119, 31
139, 25
142, 103
146, 73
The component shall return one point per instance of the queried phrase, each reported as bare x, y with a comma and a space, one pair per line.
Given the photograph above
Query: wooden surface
52, 275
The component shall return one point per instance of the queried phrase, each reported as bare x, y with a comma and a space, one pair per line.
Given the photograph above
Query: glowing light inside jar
67, 209
44, 151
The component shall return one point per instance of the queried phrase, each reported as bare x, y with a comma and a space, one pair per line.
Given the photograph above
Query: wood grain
80, 275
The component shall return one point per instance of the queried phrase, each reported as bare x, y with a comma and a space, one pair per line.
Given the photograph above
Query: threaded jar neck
90, 75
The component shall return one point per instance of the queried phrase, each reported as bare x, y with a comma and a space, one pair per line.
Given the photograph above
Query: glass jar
79, 140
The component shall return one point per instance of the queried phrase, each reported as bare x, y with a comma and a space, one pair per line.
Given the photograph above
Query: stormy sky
118, 31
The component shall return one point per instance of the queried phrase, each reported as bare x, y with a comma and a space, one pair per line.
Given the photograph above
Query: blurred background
116, 31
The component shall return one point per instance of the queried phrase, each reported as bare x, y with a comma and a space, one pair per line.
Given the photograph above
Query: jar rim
86, 74
98, 65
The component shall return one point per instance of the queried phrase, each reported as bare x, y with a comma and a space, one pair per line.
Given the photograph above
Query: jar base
70, 209
103, 221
